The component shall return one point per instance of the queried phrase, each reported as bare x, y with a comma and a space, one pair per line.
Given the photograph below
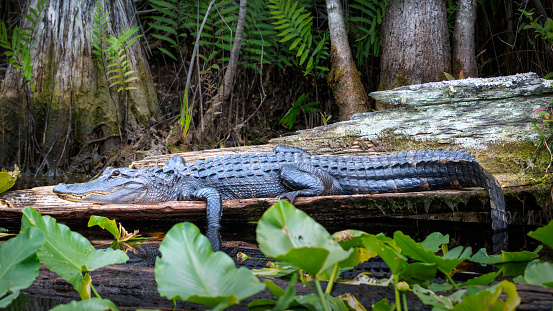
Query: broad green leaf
105, 223
7, 179
92, 304
428, 297
483, 280
482, 257
189, 270
383, 305
289, 234
488, 299
434, 241
415, 250
19, 263
540, 273
395, 261
544, 234
68, 253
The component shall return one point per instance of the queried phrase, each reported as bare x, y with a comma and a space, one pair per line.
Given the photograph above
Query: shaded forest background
276, 89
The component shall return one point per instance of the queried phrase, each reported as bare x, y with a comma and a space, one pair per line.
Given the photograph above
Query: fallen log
466, 205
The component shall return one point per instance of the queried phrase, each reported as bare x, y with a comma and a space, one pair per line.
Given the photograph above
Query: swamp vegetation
89, 84
305, 252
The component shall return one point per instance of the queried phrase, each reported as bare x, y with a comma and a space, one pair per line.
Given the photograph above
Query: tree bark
72, 100
344, 78
415, 43
226, 85
463, 45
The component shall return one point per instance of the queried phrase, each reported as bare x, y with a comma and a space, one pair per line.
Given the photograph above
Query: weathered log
466, 205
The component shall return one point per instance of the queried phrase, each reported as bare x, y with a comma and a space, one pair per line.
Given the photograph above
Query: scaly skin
286, 173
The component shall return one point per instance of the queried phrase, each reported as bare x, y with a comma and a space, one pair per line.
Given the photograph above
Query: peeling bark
344, 78
72, 99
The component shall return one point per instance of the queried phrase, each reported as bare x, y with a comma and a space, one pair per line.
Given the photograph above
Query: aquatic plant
7, 179
189, 270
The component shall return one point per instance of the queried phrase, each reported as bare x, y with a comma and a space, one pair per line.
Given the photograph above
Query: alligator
287, 172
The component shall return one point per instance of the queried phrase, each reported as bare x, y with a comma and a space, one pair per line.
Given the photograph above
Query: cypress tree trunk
463, 46
415, 43
72, 102
344, 78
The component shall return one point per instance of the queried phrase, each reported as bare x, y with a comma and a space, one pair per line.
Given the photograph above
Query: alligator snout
61, 189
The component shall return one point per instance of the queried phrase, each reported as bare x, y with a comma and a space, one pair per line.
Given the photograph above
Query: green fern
99, 30
19, 49
365, 24
118, 60
294, 24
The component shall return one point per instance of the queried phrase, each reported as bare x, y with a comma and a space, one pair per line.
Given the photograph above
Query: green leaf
543, 234
92, 304
395, 261
540, 273
448, 76
483, 280
7, 179
415, 250
19, 264
68, 253
428, 297
288, 234
189, 270
488, 299
105, 223
434, 241
166, 52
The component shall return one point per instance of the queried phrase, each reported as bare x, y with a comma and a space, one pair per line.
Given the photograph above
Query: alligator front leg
214, 207
306, 180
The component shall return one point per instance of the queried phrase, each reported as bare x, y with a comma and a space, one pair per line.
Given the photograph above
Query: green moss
400, 79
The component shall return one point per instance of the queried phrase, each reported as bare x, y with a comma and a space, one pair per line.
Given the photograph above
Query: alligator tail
497, 202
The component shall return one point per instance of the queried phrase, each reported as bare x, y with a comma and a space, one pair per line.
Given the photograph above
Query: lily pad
544, 234
289, 234
189, 270
7, 179
19, 264
92, 304
68, 253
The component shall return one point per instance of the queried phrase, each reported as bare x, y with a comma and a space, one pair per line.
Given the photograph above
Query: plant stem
448, 277
398, 301
332, 278
94, 291
404, 301
320, 293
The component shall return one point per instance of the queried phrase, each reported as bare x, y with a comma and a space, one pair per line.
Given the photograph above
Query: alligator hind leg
306, 180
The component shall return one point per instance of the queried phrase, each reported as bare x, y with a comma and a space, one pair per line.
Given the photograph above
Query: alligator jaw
64, 193
82, 197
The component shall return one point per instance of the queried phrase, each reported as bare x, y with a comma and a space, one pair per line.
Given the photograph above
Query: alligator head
126, 185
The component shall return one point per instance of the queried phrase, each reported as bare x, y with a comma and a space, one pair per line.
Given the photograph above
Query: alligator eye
115, 173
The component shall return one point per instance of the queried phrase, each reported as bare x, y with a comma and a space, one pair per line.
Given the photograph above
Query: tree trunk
226, 85
344, 78
463, 46
72, 101
415, 43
